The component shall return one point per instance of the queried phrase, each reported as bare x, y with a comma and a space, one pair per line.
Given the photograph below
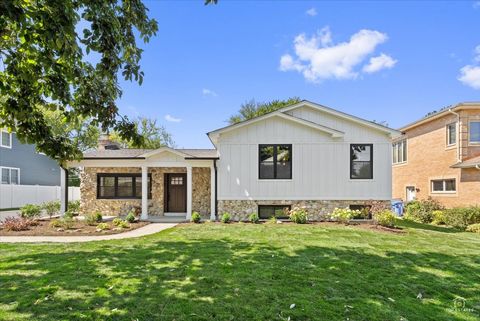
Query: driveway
5, 214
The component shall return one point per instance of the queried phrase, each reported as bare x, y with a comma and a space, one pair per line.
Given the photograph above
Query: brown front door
176, 192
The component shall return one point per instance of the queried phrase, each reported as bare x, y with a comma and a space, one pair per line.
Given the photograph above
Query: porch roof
469, 163
132, 153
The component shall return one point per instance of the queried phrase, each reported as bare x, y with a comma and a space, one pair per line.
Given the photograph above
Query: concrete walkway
142, 231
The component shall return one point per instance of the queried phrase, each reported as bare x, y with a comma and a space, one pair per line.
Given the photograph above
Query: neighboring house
302, 155
21, 164
439, 156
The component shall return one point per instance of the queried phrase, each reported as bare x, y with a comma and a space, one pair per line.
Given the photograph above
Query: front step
184, 215
166, 219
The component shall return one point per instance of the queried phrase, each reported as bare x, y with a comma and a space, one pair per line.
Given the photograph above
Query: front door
411, 193
176, 192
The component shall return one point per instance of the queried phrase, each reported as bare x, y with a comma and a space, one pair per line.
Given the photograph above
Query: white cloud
470, 76
318, 58
208, 92
170, 118
312, 12
378, 63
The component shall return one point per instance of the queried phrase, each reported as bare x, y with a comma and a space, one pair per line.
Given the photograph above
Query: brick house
439, 156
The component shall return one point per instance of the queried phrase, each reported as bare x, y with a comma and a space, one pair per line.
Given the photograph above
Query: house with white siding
304, 155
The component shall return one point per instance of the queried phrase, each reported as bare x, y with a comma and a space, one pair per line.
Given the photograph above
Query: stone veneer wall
88, 188
317, 210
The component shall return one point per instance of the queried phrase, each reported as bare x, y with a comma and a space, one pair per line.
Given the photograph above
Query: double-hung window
10, 175
399, 151
451, 134
121, 186
474, 132
361, 161
5, 139
275, 161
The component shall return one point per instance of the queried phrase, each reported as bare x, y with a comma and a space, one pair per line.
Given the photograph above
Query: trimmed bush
51, 208
474, 228
16, 224
298, 215
226, 218
65, 223
343, 215
130, 218
195, 217
253, 218
461, 217
438, 217
123, 224
385, 218
93, 218
103, 226
422, 211
117, 221
55, 223
30, 210
68, 214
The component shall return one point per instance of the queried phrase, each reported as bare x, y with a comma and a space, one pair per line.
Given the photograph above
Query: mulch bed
79, 228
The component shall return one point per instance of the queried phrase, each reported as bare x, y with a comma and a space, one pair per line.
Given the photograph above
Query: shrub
343, 215
385, 218
117, 221
298, 215
253, 218
51, 208
93, 218
74, 207
103, 226
375, 207
475, 228
226, 217
16, 224
422, 211
195, 217
30, 210
130, 217
55, 223
461, 217
68, 214
123, 224
438, 217
272, 220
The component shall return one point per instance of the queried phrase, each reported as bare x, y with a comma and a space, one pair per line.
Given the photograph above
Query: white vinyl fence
13, 196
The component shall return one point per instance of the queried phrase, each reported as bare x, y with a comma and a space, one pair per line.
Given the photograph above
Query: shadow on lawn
428, 227
220, 280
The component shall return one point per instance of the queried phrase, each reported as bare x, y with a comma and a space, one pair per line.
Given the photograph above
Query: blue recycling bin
397, 207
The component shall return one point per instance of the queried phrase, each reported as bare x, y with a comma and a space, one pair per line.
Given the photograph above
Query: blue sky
384, 61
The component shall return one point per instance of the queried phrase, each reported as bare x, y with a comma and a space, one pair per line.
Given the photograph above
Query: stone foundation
88, 189
317, 210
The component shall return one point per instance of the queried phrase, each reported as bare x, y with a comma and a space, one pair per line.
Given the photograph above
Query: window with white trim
444, 185
5, 139
399, 151
451, 134
10, 175
474, 132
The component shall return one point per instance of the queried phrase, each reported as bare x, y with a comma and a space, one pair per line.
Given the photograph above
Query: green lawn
248, 272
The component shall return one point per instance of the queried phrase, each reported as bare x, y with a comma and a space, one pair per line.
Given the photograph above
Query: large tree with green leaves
46, 63
251, 108
154, 135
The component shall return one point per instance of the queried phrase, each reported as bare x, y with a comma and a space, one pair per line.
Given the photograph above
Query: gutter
459, 140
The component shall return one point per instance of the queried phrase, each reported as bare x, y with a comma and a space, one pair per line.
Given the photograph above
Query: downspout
459, 138
216, 188
66, 186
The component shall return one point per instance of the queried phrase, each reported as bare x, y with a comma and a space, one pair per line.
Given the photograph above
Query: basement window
277, 211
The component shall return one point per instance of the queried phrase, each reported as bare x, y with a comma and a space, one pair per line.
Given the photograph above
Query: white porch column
212, 193
63, 190
144, 215
189, 192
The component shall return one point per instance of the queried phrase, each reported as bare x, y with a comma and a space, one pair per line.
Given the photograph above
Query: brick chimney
104, 143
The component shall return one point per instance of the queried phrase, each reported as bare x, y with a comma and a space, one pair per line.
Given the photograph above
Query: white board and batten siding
320, 163
15, 196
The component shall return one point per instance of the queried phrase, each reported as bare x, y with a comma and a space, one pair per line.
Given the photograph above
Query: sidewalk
142, 231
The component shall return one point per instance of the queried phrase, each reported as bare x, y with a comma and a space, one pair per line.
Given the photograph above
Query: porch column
189, 192
212, 193
144, 215
63, 190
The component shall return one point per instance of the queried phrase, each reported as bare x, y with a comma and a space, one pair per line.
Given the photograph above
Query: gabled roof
282, 113
440, 113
